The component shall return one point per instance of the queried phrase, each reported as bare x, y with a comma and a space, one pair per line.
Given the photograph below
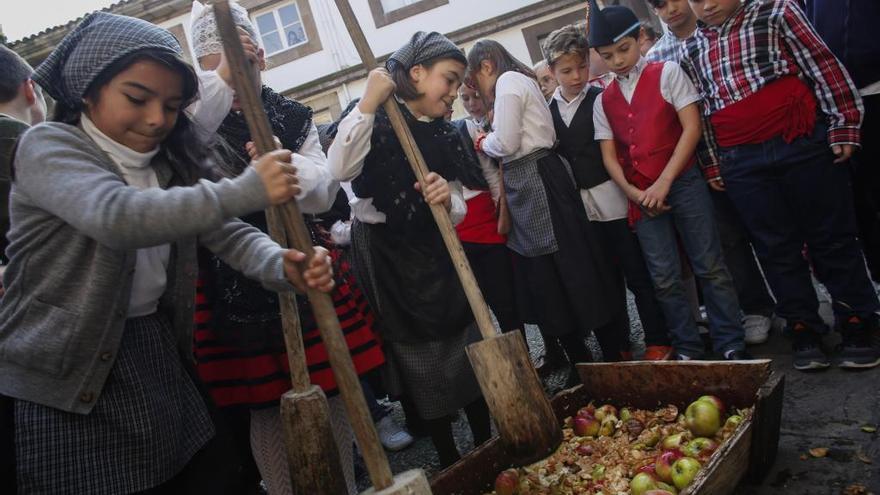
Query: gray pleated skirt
146, 425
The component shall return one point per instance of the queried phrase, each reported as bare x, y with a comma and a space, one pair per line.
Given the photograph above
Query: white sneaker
392, 436
757, 328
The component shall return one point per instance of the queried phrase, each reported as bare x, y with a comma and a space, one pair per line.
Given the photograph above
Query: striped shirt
669, 49
763, 41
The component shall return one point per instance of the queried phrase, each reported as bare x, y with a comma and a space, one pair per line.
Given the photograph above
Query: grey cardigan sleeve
250, 251
62, 172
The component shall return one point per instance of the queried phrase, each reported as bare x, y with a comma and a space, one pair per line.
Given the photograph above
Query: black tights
440, 430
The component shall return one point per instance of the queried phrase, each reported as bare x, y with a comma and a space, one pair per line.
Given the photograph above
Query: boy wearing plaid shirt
786, 117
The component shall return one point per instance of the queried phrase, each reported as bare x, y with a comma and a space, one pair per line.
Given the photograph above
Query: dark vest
576, 142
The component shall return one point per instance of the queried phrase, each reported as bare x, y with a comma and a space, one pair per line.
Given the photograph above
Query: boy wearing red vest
786, 118
648, 124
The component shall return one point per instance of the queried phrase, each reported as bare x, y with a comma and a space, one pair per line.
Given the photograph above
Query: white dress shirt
151, 265
603, 202
345, 159
317, 187
675, 87
522, 121
490, 171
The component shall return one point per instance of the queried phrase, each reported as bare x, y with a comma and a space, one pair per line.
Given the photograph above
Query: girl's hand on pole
380, 86
437, 190
317, 275
278, 175
251, 148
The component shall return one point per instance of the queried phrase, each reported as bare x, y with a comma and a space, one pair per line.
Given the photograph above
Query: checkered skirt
146, 425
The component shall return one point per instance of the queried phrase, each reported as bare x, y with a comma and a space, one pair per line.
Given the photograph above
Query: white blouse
151, 266
522, 122
345, 159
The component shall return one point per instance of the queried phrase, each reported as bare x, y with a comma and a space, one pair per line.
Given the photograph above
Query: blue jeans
692, 221
792, 194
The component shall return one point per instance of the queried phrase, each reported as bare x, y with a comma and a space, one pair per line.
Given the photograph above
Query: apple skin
506, 483
642, 483
663, 464
585, 450
733, 421
673, 442
659, 492
703, 418
684, 470
667, 488
587, 411
700, 448
609, 425
648, 468
604, 411
715, 400
586, 427
625, 414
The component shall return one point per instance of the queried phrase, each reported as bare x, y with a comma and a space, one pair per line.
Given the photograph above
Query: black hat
609, 25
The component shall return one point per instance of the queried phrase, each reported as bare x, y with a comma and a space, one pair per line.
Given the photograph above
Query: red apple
683, 471
642, 483
605, 410
703, 418
673, 442
585, 450
586, 427
663, 464
507, 482
715, 400
700, 448
587, 411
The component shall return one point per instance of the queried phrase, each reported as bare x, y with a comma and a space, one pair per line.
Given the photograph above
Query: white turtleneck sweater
150, 276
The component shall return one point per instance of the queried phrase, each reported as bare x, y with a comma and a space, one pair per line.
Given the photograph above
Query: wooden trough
747, 455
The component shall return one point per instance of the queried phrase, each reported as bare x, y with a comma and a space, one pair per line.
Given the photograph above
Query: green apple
714, 400
625, 414
609, 424
663, 464
703, 418
684, 470
733, 421
673, 442
700, 448
665, 487
642, 483
659, 492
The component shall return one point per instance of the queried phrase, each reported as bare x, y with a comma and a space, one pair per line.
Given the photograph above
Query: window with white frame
389, 5
281, 28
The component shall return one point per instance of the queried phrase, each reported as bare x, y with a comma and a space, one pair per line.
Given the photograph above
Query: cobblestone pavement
826, 409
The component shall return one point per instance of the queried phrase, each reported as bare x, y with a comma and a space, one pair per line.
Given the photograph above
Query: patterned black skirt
146, 425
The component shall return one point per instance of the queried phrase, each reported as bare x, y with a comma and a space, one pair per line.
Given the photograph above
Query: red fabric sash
480, 225
784, 107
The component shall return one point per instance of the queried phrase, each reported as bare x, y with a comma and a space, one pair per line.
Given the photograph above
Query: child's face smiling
714, 12
621, 56
438, 86
572, 71
139, 107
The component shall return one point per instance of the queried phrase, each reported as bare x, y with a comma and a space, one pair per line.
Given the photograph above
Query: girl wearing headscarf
107, 211
398, 251
240, 351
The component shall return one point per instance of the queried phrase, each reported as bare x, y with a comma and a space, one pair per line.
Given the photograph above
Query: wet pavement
827, 409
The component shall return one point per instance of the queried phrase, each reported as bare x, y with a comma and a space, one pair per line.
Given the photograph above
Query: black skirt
572, 289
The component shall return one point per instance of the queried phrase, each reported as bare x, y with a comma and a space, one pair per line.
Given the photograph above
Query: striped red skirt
240, 377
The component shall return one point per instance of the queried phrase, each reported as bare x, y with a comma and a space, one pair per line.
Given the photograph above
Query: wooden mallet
306, 406
512, 389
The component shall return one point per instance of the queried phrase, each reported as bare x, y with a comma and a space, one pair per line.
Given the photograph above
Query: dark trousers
866, 185
623, 245
791, 194
493, 269
7, 445
754, 299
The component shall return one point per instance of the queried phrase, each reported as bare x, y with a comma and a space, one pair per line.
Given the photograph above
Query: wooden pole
502, 366
293, 223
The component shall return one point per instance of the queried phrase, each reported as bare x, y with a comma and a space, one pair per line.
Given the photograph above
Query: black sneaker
737, 355
807, 349
856, 350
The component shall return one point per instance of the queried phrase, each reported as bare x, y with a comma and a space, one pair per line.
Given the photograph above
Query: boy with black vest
567, 54
648, 123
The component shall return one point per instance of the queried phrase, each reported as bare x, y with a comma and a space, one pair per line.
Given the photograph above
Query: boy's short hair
15, 71
568, 40
650, 32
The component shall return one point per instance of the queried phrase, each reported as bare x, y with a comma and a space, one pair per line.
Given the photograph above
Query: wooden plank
767, 421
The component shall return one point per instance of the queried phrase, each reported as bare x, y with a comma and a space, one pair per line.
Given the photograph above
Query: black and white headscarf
423, 47
97, 42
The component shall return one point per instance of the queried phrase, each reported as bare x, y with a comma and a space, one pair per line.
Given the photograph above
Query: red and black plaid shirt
761, 42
